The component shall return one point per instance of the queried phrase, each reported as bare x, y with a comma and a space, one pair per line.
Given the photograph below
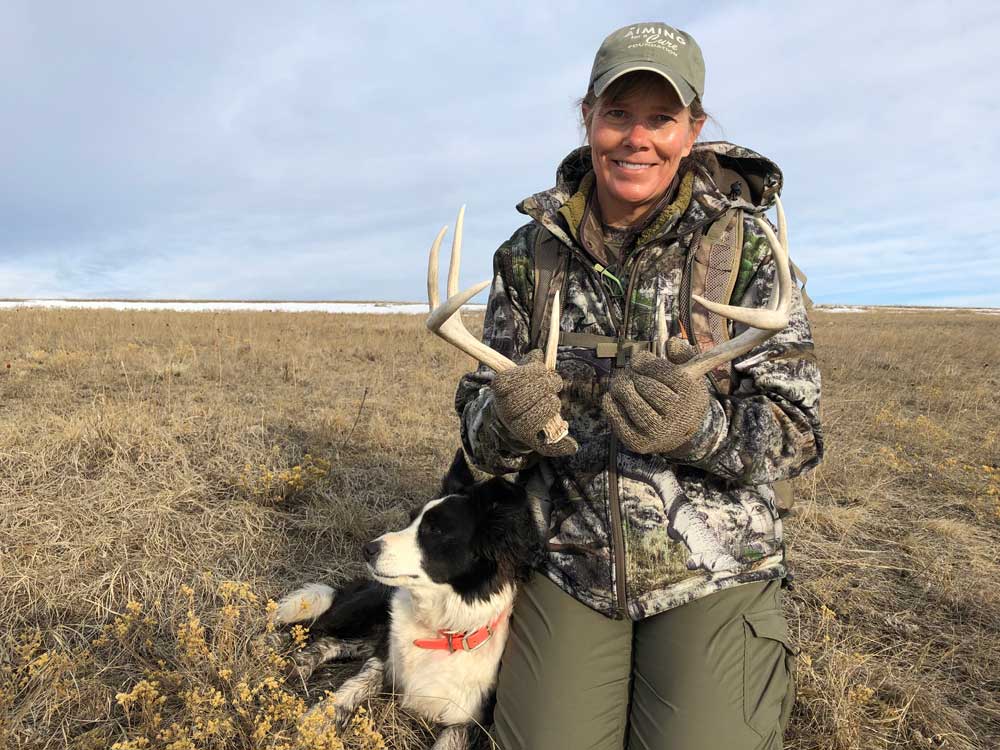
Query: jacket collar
750, 180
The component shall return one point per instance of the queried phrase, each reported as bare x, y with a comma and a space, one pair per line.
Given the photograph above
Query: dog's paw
326, 715
277, 640
344, 717
302, 664
454, 737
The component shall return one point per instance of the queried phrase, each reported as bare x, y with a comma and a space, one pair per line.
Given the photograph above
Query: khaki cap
651, 46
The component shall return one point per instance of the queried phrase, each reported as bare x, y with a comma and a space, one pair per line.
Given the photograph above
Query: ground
164, 474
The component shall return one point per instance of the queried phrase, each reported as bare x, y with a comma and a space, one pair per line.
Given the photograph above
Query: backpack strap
550, 270
713, 273
801, 278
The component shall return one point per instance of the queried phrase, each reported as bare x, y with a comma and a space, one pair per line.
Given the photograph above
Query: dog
433, 619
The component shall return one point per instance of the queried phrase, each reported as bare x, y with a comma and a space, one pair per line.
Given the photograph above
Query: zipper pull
605, 272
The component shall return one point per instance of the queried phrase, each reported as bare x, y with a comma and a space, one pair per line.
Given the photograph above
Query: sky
311, 150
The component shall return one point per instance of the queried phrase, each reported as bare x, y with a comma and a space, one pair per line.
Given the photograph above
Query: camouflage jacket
628, 534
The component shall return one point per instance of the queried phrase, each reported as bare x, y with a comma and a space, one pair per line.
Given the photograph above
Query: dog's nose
371, 550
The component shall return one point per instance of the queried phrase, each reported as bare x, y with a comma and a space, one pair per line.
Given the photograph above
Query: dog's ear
509, 536
459, 478
501, 491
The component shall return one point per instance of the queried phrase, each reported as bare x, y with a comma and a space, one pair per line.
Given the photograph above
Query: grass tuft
164, 476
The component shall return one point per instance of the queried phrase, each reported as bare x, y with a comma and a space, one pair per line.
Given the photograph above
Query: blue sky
242, 150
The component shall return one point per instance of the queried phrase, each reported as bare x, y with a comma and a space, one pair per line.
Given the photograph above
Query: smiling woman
655, 619
638, 130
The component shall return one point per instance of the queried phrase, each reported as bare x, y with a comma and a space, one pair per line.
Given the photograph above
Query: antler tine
456, 253
782, 225
432, 271
552, 342
660, 348
763, 322
451, 307
445, 319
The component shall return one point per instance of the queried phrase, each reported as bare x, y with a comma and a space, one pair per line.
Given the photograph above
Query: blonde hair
642, 83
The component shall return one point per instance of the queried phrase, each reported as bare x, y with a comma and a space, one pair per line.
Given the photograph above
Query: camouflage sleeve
768, 428
506, 328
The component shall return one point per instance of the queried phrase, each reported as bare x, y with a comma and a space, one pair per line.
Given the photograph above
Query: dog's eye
430, 527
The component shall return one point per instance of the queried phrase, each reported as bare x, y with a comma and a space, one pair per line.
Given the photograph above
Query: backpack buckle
624, 350
623, 356
607, 349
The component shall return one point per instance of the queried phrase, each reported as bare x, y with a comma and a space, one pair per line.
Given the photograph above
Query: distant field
381, 308
354, 306
163, 474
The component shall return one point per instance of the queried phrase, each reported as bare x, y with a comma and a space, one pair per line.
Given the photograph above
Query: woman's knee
717, 675
564, 677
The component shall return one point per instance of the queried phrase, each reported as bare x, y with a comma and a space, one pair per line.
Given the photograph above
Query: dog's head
475, 538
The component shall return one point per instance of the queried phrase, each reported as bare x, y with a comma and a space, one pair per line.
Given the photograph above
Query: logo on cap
655, 47
656, 36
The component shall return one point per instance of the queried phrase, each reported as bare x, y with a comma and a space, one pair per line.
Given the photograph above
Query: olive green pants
714, 674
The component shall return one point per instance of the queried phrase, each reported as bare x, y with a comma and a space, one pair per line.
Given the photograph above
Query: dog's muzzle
371, 551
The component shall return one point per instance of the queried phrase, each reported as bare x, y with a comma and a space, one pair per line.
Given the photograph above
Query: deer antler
446, 319
763, 322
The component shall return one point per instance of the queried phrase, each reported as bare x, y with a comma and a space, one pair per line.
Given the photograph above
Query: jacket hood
723, 176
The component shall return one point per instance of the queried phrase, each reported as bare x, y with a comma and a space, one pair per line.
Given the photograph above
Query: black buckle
624, 354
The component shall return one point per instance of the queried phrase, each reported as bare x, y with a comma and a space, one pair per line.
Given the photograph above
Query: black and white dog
434, 621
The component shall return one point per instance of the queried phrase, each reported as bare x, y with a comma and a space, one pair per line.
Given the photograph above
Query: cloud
312, 150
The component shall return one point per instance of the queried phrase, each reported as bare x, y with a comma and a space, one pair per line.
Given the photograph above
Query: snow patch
357, 308
904, 309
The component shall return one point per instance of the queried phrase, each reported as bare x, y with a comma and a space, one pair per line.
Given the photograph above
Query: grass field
163, 475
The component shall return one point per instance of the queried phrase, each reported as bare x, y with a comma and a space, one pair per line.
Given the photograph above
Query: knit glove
525, 401
653, 405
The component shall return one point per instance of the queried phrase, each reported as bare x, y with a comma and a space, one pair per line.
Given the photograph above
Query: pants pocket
768, 672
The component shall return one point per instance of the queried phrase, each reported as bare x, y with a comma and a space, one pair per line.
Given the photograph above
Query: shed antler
763, 322
446, 319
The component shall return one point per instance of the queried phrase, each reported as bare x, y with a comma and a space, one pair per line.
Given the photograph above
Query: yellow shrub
267, 483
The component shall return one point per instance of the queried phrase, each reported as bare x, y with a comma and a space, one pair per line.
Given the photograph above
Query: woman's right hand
526, 400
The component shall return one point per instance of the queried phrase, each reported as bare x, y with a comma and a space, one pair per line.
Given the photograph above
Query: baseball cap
651, 46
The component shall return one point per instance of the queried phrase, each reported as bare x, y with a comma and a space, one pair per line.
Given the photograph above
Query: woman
633, 635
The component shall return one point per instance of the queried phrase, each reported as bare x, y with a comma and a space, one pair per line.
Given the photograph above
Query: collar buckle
465, 640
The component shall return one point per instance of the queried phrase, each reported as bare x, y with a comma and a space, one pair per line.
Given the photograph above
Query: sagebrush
163, 475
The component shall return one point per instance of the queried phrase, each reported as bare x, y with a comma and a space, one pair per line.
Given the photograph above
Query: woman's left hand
653, 405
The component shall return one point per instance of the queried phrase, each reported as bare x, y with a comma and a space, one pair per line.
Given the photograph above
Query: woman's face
637, 143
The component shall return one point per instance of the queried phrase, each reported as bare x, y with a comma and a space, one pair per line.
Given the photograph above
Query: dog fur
454, 568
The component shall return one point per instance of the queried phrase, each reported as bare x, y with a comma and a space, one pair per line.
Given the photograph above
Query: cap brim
682, 87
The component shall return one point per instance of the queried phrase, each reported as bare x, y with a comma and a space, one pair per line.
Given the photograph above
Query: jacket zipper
599, 285
617, 534
614, 497
685, 305
614, 500
614, 506
632, 275
587, 260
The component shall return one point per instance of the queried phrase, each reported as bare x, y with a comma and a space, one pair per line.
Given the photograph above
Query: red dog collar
457, 640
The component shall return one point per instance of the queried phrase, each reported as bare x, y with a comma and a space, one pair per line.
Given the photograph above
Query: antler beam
764, 323
445, 319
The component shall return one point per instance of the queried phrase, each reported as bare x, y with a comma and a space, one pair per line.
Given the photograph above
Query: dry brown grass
150, 505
